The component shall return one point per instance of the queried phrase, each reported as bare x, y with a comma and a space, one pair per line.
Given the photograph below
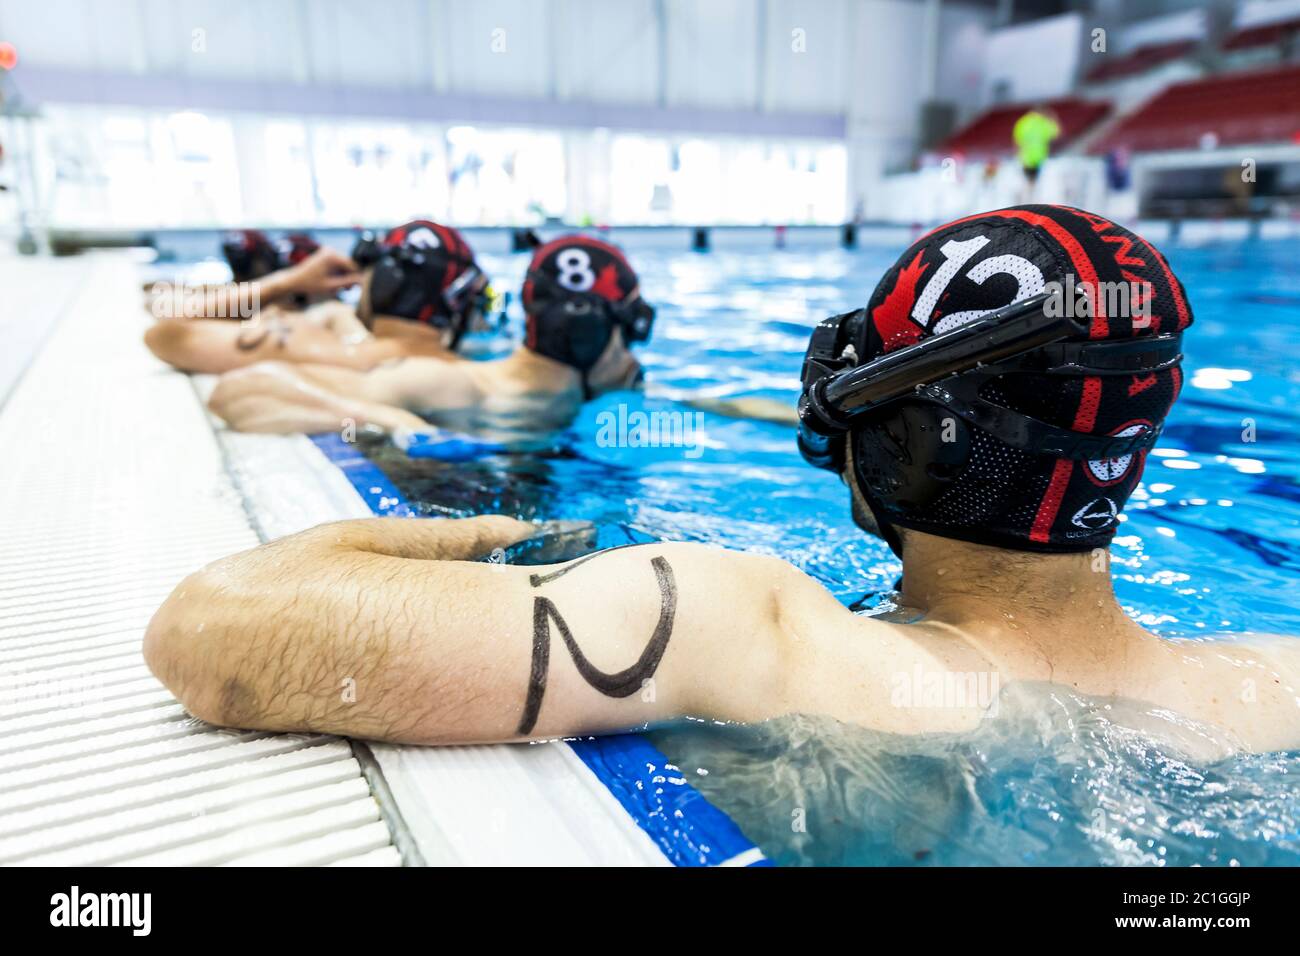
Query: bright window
126, 168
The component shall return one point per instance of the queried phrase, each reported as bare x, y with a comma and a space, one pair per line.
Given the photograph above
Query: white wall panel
1014, 58
376, 45
58, 32
608, 52
520, 68
859, 59
816, 78
167, 28
230, 41
712, 55
965, 32
885, 74
731, 54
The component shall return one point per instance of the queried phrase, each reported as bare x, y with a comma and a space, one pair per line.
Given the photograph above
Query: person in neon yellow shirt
1033, 135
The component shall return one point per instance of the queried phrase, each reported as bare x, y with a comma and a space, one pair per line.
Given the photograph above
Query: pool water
1211, 547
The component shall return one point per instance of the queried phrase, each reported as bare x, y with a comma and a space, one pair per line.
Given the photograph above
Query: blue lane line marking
372, 484
688, 829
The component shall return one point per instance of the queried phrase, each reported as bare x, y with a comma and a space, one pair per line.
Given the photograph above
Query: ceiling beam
55, 85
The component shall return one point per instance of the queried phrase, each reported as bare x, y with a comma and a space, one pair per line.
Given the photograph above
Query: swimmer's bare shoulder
423, 383
921, 678
1248, 684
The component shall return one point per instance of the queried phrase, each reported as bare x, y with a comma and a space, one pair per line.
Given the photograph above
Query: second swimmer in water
584, 312
421, 290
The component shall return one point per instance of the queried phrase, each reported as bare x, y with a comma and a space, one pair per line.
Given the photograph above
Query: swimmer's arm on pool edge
382, 628
213, 346
283, 398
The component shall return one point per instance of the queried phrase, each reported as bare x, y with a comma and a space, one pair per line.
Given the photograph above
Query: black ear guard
575, 327
402, 284
367, 250
634, 316
921, 399
638, 321
249, 260
574, 330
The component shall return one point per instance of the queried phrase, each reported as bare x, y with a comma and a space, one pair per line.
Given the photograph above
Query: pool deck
114, 488
118, 486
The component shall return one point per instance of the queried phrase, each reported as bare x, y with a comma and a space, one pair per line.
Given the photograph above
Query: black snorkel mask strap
949, 369
466, 296
960, 394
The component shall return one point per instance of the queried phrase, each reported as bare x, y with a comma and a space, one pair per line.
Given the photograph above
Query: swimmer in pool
991, 442
584, 312
290, 274
421, 290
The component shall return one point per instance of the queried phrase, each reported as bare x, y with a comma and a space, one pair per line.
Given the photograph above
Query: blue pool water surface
1211, 547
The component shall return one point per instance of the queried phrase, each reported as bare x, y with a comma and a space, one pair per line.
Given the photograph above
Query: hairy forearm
430, 540
321, 630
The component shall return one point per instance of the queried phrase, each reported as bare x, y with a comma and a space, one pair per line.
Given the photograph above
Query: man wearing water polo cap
296, 271
421, 290
990, 426
583, 313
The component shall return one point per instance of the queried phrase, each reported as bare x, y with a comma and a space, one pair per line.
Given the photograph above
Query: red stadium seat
1259, 106
1266, 34
1140, 60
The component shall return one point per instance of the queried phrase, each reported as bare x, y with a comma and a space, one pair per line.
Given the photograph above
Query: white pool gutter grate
113, 489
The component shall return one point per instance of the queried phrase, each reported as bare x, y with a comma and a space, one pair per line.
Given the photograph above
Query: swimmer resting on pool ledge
421, 290
584, 311
263, 274
1004, 550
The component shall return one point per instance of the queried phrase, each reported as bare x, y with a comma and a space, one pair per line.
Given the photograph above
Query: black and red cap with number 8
579, 264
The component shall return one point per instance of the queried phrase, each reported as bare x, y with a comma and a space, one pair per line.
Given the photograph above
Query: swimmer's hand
554, 542
324, 272
753, 408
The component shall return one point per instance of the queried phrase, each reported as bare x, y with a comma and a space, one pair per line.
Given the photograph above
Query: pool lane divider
688, 830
